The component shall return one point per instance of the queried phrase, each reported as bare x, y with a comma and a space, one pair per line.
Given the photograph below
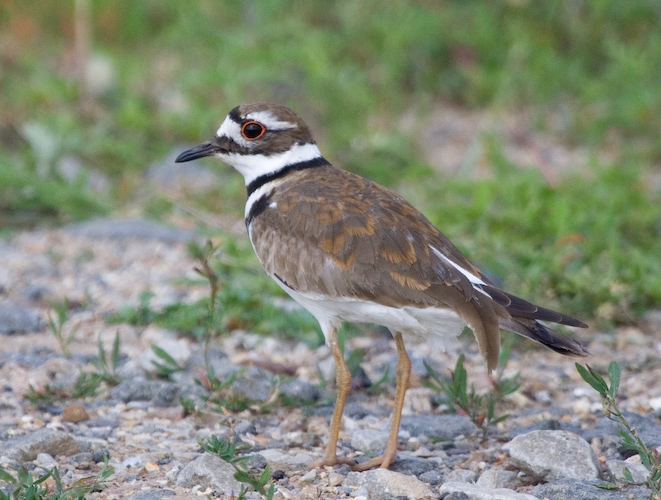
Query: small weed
630, 439
168, 366
56, 326
142, 315
226, 450
480, 408
23, 486
89, 384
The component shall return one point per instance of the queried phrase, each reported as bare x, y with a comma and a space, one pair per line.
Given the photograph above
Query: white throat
254, 166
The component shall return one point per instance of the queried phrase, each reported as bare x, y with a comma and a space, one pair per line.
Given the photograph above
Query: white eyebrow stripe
475, 281
269, 120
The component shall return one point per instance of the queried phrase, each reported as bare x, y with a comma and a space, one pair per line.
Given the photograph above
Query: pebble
551, 455
335, 479
26, 447
369, 440
309, 476
580, 489
445, 427
382, 482
18, 319
461, 476
209, 471
153, 494
638, 471
161, 392
467, 491
75, 413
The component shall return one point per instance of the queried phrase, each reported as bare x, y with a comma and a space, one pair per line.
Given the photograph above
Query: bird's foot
333, 460
379, 461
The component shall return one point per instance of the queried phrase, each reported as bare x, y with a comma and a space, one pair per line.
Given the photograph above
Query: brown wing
373, 245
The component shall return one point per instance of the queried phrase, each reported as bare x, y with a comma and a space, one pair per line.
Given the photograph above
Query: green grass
587, 72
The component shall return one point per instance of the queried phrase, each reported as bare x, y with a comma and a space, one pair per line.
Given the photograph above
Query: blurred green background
527, 131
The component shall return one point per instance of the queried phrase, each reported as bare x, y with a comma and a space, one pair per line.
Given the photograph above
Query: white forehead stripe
229, 128
269, 120
254, 166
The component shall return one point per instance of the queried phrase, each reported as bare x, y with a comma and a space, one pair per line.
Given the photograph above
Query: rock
209, 471
300, 391
382, 482
473, 492
18, 319
432, 477
461, 476
551, 455
309, 477
577, 489
75, 413
413, 466
335, 479
253, 385
27, 447
445, 427
160, 392
638, 471
152, 494
46, 461
130, 228
369, 440
496, 478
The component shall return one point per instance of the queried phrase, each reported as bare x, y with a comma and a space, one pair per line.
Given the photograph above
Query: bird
350, 250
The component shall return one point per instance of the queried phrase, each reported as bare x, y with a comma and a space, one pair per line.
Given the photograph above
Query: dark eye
252, 130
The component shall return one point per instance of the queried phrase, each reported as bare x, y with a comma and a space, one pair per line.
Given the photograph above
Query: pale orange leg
343, 380
403, 371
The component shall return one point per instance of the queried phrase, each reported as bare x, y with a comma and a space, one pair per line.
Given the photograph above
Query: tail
537, 332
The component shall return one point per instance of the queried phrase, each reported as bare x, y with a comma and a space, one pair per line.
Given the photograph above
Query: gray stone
309, 476
432, 477
209, 471
638, 471
160, 392
257, 462
300, 390
245, 427
130, 228
551, 455
369, 440
46, 461
577, 489
83, 457
152, 494
413, 466
461, 476
496, 478
474, 492
253, 385
445, 427
27, 447
382, 482
18, 319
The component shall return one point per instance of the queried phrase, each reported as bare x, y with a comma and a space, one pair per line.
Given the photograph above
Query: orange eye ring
252, 130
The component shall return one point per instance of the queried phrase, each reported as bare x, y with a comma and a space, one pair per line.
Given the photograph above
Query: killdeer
348, 249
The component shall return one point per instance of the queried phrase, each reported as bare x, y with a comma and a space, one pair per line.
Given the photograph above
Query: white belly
437, 327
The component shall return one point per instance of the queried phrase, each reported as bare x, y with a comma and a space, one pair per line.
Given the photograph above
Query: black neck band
263, 179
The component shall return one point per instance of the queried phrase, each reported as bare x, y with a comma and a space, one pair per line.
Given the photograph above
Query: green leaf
614, 378
607, 486
627, 474
593, 378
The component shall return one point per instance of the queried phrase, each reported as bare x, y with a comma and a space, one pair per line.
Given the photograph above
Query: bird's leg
343, 382
403, 371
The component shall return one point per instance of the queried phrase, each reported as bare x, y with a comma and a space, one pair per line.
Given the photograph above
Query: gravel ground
556, 444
